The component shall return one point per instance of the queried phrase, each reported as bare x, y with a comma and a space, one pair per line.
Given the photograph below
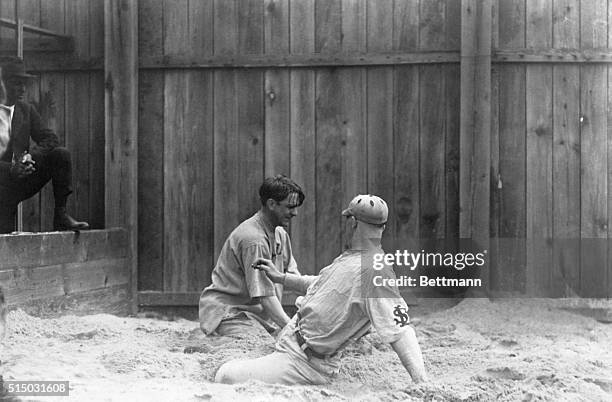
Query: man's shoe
63, 221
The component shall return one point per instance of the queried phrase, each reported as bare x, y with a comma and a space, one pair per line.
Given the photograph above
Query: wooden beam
151, 299
310, 60
121, 124
552, 56
298, 60
43, 45
57, 62
32, 29
30, 250
475, 156
44, 56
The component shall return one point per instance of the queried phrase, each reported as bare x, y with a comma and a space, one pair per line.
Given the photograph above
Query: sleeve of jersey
385, 307
292, 267
257, 282
389, 316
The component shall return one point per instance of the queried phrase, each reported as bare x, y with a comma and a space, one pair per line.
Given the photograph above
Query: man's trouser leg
275, 368
242, 325
13, 191
56, 166
7, 215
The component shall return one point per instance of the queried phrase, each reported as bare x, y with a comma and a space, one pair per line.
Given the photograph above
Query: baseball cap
368, 208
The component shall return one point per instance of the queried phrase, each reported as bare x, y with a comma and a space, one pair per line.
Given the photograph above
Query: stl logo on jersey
402, 316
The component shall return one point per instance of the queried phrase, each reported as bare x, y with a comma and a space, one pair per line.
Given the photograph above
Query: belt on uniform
310, 353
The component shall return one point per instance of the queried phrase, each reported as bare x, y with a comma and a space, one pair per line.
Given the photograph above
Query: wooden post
121, 124
19, 47
475, 156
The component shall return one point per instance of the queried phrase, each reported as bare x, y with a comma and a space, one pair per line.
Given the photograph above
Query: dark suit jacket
26, 125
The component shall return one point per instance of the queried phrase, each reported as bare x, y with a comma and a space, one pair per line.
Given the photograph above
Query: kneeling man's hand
269, 269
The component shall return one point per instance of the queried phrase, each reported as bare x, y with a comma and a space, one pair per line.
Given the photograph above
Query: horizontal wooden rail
157, 298
39, 45
373, 59
41, 62
33, 29
56, 62
299, 60
552, 56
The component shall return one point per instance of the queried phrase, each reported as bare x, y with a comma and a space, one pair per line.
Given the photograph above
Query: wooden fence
353, 96
350, 96
551, 145
208, 136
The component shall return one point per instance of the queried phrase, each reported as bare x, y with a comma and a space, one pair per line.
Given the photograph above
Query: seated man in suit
24, 171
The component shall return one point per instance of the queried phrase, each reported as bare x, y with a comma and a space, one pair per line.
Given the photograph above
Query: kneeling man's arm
408, 350
275, 311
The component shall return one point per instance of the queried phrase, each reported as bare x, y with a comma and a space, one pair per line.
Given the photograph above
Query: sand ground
508, 350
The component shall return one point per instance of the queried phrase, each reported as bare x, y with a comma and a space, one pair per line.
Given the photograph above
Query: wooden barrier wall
208, 137
71, 100
63, 270
551, 148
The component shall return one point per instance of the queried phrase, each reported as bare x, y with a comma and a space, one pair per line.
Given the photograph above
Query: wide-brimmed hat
14, 67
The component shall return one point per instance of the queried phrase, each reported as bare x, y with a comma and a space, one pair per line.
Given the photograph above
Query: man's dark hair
278, 188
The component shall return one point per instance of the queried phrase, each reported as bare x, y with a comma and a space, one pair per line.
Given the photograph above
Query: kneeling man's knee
60, 154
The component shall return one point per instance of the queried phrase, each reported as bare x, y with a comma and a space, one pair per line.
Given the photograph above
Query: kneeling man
241, 299
339, 307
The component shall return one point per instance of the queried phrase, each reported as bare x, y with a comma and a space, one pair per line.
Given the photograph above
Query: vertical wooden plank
121, 125
250, 109
77, 110
609, 265
380, 98
199, 119
510, 178
52, 90
328, 26
475, 131
539, 195
452, 127
328, 112
407, 128
96, 117
150, 150
594, 130
302, 109
178, 189
29, 12
566, 154
353, 105
7, 10
432, 125
277, 87
494, 203
225, 160
188, 228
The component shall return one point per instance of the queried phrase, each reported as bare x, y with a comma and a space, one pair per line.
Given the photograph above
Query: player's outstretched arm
275, 311
295, 282
408, 350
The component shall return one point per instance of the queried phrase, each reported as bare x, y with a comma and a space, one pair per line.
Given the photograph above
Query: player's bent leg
242, 325
275, 368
